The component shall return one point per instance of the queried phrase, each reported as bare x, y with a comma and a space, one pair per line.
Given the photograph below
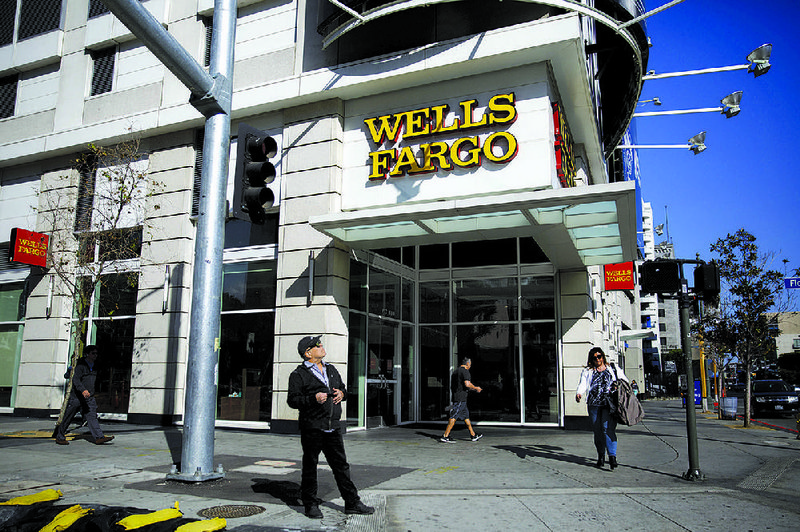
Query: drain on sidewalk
231, 510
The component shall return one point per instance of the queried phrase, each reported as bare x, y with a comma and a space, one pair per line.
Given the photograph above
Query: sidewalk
512, 479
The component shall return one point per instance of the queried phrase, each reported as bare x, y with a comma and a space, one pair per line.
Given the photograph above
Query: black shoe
104, 439
313, 512
359, 508
447, 439
62, 442
476, 437
612, 461
600, 462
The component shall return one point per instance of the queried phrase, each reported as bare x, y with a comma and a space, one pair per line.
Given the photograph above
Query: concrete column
577, 334
312, 170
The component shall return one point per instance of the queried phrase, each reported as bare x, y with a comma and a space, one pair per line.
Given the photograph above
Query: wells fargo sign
565, 156
428, 157
619, 276
28, 247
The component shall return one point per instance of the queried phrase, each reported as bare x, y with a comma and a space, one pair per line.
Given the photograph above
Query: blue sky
748, 177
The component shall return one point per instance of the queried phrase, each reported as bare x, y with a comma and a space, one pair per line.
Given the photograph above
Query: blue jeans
604, 427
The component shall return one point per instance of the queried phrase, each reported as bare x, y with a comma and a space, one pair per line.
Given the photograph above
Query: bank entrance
416, 312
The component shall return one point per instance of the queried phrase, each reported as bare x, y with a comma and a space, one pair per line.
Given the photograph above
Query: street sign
792, 282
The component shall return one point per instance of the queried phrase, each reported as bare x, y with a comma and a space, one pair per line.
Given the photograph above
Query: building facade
446, 187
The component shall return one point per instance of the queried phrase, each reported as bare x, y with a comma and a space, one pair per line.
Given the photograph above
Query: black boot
612, 461
601, 461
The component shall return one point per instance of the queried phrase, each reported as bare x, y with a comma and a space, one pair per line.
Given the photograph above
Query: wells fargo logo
619, 276
464, 152
28, 247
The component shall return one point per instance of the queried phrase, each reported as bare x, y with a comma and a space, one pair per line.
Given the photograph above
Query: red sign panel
619, 276
28, 247
565, 158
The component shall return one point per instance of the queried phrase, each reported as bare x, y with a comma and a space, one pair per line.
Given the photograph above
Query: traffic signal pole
685, 301
211, 95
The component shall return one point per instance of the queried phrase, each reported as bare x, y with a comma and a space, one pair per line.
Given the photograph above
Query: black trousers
332, 445
88, 408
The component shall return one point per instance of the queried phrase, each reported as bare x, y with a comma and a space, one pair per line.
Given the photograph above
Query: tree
750, 288
95, 215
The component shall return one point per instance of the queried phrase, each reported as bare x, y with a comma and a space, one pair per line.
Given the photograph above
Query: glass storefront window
249, 285
538, 298
11, 315
111, 329
434, 372
246, 357
239, 233
245, 367
540, 364
434, 302
485, 253
485, 299
356, 369
384, 294
358, 286
494, 350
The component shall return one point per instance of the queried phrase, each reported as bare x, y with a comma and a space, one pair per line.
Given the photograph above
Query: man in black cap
316, 389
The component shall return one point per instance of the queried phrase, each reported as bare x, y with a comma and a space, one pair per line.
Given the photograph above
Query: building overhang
574, 227
637, 334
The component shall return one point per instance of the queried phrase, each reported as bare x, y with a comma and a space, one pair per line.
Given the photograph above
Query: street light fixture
757, 63
696, 144
730, 107
655, 101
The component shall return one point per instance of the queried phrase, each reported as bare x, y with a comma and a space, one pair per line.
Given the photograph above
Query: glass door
383, 374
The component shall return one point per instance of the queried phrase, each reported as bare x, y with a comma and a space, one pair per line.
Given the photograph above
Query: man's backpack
626, 407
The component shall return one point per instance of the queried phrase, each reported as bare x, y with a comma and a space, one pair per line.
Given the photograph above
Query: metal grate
38, 16
231, 510
198, 170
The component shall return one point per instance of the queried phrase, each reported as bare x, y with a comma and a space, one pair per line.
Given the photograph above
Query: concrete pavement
512, 479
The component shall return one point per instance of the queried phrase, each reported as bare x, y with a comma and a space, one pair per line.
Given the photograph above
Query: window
97, 8
103, 71
83, 209
8, 95
8, 8
37, 17
796, 343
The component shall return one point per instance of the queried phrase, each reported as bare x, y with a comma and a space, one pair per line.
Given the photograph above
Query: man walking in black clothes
316, 389
82, 398
461, 385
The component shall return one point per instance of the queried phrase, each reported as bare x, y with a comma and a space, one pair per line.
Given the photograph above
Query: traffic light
706, 281
251, 195
660, 277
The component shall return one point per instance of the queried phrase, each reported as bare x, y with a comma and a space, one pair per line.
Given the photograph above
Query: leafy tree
750, 288
95, 215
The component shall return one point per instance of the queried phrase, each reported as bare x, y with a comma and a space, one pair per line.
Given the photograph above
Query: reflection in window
485, 299
249, 285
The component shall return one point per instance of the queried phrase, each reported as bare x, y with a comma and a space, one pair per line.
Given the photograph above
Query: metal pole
211, 95
691, 417
204, 340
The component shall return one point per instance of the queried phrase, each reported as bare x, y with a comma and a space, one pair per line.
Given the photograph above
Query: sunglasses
598, 357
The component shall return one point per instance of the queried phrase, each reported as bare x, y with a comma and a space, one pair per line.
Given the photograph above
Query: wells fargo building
446, 166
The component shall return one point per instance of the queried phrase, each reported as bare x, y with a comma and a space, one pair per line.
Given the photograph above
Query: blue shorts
459, 410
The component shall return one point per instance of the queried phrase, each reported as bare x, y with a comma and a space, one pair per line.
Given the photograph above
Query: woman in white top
597, 384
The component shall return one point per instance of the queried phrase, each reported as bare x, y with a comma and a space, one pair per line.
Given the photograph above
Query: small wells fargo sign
28, 247
619, 276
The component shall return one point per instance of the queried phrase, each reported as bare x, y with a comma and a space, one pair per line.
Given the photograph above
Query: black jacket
84, 378
303, 388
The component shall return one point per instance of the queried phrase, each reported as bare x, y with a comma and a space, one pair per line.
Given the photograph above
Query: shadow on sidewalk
549, 452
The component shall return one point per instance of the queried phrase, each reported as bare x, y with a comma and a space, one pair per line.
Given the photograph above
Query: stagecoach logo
468, 151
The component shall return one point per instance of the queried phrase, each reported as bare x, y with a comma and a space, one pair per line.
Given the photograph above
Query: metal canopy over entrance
575, 227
